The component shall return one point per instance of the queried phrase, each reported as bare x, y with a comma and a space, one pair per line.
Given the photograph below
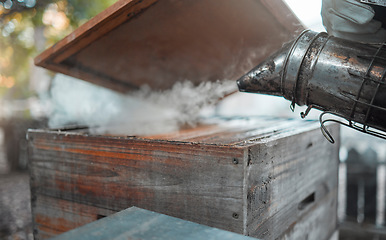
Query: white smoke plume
142, 112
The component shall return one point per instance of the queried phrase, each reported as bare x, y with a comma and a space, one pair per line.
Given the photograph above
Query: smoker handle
341, 120
379, 7
375, 2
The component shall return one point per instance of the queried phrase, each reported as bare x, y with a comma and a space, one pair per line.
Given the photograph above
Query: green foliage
80, 11
18, 35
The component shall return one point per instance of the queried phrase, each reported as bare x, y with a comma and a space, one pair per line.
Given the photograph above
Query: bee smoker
336, 76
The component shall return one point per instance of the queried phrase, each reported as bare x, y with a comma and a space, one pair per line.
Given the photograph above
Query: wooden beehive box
266, 178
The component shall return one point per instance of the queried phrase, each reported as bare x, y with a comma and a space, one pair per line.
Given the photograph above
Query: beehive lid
136, 42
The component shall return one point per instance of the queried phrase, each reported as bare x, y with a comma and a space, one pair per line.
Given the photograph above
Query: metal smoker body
336, 76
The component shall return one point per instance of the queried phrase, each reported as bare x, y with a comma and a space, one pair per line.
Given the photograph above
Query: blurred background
27, 27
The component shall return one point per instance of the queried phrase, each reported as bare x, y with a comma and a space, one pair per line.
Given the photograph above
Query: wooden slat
239, 131
319, 222
231, 131
53, 216
191, 181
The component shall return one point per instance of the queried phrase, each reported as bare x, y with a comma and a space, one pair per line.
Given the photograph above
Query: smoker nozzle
266, 77
336, 76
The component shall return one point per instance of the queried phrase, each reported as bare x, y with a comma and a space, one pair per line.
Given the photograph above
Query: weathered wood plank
317, 222
191, 181
286, 179
239, 131
53, 216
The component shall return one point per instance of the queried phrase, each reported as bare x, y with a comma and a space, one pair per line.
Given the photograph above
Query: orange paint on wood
54, 225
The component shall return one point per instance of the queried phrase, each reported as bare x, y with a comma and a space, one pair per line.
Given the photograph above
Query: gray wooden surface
136, 223
292, 178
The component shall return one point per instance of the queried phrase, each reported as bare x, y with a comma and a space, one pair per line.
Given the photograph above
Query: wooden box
266, 178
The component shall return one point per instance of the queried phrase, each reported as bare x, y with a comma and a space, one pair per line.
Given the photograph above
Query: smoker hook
292, 106
324, 129
304, 114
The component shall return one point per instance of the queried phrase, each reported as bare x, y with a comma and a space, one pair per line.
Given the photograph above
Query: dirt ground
15, 208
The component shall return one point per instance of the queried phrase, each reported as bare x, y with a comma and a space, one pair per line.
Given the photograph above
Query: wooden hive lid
136, 42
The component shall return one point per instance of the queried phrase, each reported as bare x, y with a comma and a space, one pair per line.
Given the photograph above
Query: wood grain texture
191, 181
319, 221
161, 42
251, 180
240, 132
53, 216
286, 179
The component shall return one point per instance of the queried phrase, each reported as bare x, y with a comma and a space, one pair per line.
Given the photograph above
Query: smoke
142, 112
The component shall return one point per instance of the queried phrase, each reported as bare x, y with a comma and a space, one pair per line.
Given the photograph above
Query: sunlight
308, 12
